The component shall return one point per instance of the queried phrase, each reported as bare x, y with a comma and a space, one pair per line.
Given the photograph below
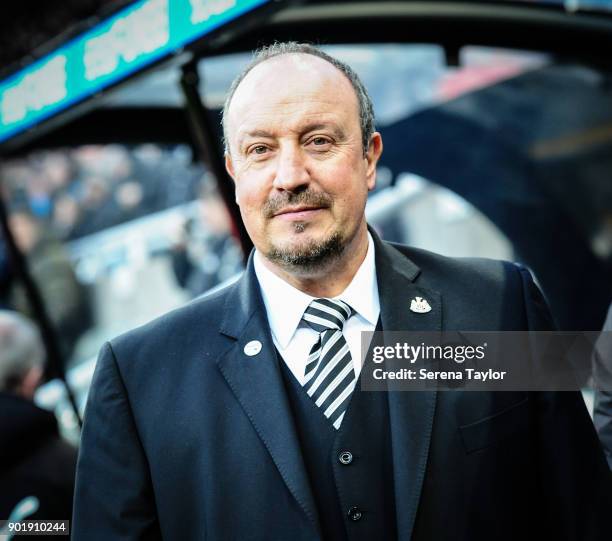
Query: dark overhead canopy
527, 25
582, 37
29, 28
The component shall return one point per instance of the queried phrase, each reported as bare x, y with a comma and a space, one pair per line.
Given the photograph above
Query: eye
257, 150
318, 141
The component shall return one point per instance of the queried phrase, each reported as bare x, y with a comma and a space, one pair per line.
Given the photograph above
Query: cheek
348, 186
240, 196
250, 202
247, 192
346, 173
349, 205
247, 205
252, 187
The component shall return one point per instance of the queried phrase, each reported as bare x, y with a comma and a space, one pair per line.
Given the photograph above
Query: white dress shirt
285, 306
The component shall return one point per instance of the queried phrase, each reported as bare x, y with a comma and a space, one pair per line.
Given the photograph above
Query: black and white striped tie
330, 377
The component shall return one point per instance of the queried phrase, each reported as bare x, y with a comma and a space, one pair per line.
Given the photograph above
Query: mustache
309, 198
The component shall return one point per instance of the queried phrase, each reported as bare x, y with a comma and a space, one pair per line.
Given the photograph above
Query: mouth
298, 213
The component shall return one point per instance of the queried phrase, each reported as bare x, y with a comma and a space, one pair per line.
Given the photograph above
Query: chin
306, 251
299, 236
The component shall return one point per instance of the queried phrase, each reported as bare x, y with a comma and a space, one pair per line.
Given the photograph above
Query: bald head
21, 349
299, 57
306, 79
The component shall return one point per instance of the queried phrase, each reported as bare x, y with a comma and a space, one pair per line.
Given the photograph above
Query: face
24, 230
296, 156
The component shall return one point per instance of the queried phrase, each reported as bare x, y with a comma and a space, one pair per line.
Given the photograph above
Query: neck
328, 280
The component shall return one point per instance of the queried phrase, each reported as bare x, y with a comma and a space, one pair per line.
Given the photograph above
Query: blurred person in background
6, 275
50, 267
36, 465
206, 253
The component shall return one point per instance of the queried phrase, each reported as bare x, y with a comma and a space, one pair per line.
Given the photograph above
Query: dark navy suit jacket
187, 437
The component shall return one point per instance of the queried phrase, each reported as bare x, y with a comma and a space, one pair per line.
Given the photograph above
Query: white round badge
252, 348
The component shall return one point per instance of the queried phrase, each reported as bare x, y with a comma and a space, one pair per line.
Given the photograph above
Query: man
239, 416
50, 267
37, 466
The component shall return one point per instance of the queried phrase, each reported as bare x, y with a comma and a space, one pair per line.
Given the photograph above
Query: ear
372, 156
30, 382
229, 166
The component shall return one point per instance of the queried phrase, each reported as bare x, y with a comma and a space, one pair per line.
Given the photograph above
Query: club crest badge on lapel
420, 305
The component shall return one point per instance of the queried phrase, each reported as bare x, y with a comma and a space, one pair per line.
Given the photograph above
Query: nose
291, 170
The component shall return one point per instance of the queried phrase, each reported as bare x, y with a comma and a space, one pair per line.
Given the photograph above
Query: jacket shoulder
477, 294
490, 272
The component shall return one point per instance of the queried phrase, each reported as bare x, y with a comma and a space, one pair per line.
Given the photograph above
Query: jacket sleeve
602, 418
539, 317
603, 376
575, 483
113, 495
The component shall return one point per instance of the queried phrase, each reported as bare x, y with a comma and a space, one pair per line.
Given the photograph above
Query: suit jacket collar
411, 413
257, 383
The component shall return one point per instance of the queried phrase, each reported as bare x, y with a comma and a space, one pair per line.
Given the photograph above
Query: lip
298, 213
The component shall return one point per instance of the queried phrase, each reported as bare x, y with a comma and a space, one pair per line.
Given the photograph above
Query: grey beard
315, 255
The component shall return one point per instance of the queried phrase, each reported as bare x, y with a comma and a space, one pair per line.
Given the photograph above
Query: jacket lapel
411, 412
257, 383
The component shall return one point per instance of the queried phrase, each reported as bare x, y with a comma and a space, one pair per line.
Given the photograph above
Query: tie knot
325, 314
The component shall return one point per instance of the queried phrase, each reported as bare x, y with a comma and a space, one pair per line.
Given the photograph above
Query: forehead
292, 89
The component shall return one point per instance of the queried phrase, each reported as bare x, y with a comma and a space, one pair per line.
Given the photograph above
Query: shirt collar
362, 293
286, 304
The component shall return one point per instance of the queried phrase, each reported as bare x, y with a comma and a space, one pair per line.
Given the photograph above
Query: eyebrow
256, 133
253, 134
338, 132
